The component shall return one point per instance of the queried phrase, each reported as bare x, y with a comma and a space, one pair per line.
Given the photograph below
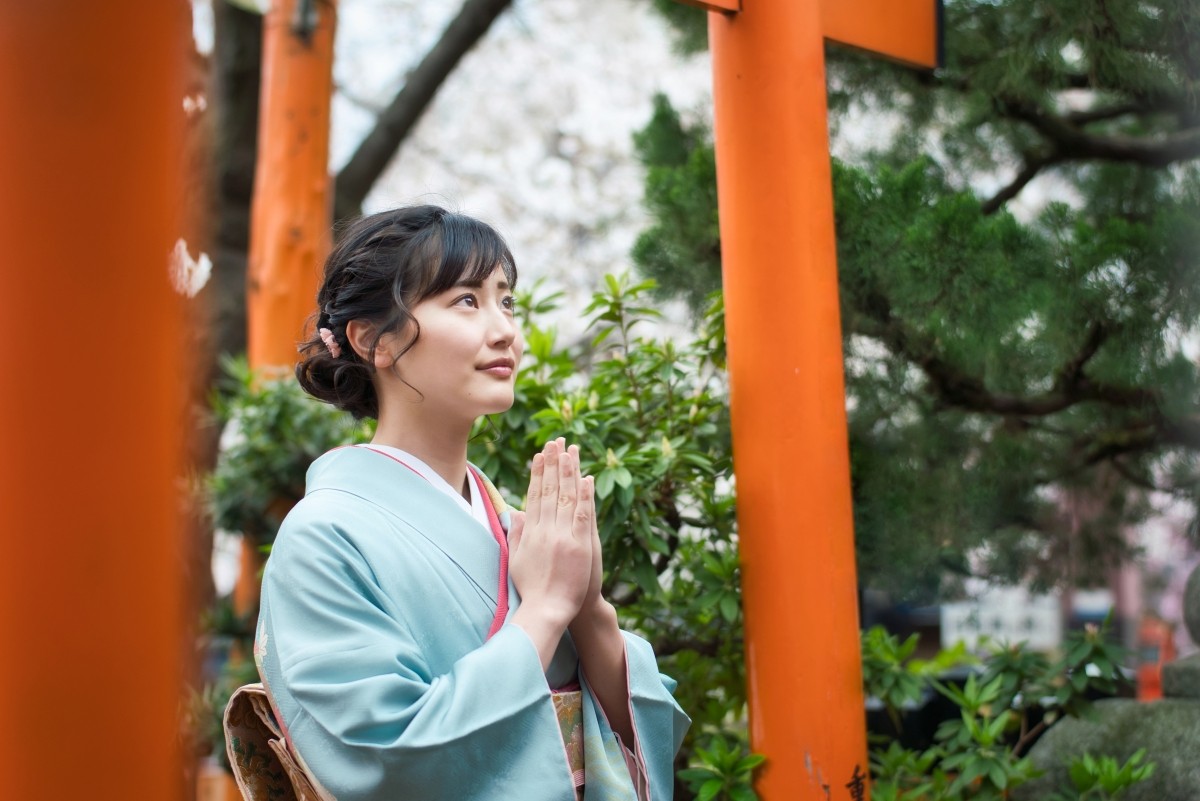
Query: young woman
419, 640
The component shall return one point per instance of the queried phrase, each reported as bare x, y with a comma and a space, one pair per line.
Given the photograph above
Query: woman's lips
498, 369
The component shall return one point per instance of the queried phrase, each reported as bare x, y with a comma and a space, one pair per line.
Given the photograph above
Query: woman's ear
361, 335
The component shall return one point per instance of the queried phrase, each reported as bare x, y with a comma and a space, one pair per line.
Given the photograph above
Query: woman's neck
436, 443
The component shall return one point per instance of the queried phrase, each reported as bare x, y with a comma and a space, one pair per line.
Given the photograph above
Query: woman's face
465, 360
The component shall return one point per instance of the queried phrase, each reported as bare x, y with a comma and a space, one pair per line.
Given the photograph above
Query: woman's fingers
585, 511
555, 487
568, 488
534, 496
516, 527
573, 452
548, 500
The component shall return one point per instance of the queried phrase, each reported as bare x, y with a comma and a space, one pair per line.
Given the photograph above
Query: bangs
460, 250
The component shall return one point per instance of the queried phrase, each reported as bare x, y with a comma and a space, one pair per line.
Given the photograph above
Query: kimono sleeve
362, 705
659, 727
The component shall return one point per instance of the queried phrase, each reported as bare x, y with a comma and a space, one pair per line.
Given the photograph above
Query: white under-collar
476, 508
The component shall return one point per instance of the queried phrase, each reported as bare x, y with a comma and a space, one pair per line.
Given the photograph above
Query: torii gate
790, 447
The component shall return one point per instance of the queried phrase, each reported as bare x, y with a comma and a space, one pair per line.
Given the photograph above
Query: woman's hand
592, 599
550, 556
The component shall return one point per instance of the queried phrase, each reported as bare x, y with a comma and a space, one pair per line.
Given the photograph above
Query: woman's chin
497, 406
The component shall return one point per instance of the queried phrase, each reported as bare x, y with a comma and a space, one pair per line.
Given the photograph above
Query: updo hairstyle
381, 267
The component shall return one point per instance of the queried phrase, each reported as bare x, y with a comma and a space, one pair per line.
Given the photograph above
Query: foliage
273, 431
1102, 778
651, 420
1018, 376
891, 675
681, 196
725, 773
690, 25
1003, 706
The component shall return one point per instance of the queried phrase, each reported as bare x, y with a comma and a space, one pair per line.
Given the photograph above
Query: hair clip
335, 350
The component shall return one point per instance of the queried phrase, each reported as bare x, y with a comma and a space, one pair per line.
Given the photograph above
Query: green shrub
1004, 705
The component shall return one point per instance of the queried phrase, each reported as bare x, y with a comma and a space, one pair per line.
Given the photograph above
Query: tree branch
1101, 114
1071, 374
957, 388
378, 148
1133, 478
1033, 165
1074, 143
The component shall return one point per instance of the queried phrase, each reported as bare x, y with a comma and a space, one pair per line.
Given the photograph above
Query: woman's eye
509, 303
467, 300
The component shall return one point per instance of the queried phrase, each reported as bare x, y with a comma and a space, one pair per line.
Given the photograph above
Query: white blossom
188, 275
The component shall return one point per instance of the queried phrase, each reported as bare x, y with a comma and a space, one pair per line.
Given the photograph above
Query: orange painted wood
903, 30
790, 446
91, 602
290, 214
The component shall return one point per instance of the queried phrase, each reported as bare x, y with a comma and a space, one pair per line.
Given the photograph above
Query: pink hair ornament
331, 344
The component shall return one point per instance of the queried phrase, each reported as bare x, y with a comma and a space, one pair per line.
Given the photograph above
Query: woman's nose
502, 327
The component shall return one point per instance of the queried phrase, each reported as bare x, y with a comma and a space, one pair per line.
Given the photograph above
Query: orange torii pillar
290, 214
92, 406
291, 210
791, 455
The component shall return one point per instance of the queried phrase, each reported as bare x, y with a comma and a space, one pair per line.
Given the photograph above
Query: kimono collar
413, 501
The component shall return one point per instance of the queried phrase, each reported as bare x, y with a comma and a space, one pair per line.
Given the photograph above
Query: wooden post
790, 448
290, 215
91, 607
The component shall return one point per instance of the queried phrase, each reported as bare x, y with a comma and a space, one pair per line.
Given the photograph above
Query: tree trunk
237, 71
396, 122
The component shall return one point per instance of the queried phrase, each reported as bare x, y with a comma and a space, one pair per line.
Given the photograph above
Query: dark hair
382, 265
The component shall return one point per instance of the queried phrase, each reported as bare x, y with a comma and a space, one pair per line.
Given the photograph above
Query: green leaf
614, 287
749, 763
604, 483
696, 774
709, 790
1081, 776
729, 608
742, 793
622, 477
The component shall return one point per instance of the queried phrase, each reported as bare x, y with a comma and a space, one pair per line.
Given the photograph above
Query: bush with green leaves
724, 772
273, 432
1102, 778
651, 418
1004, 705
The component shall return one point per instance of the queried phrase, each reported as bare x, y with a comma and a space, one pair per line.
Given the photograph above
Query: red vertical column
290, 218
91, 408
790, 448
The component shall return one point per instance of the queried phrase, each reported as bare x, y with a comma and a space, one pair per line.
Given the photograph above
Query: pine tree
1017, 260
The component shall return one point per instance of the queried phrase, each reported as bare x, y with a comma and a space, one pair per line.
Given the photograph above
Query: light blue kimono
376, 602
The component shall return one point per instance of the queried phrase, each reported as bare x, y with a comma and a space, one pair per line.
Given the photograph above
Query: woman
418, 640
